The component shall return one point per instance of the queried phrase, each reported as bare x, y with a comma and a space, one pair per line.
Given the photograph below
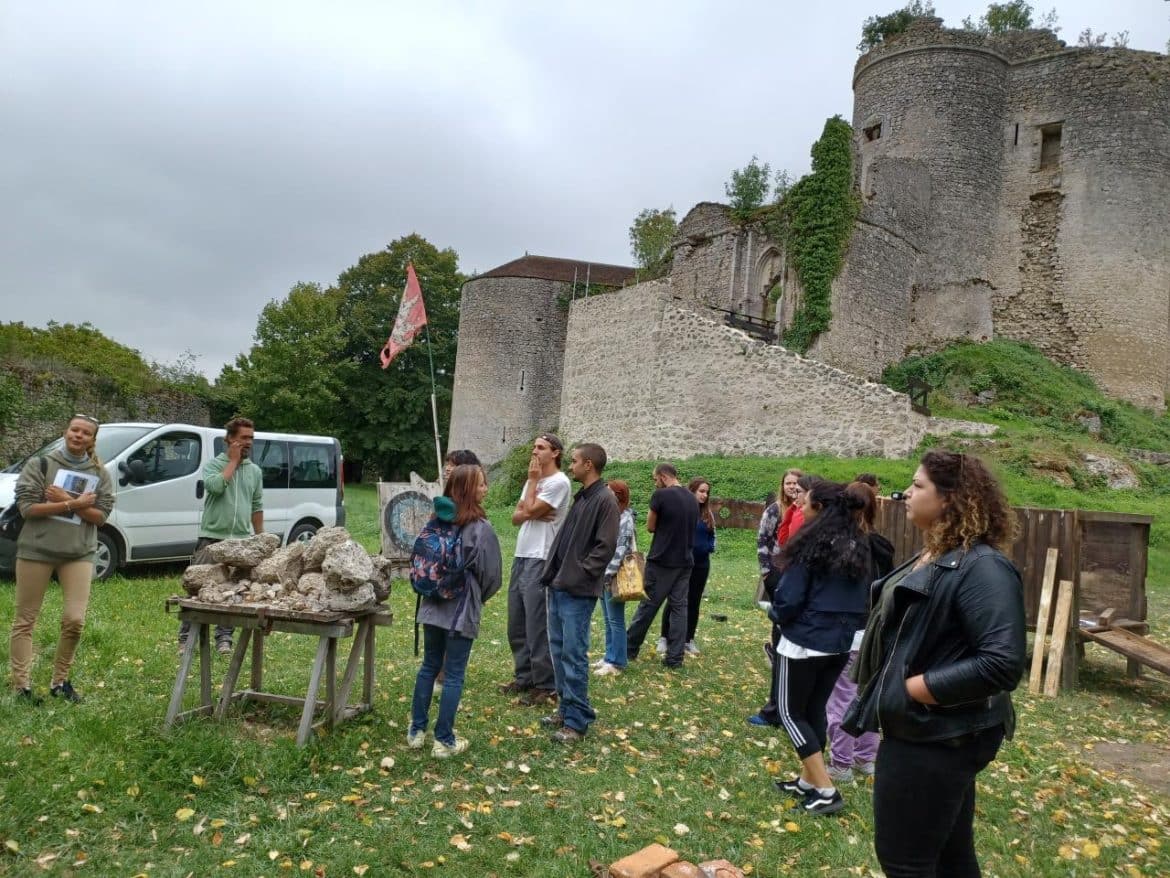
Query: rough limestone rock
197, 576
1117, 475
347, 566
223, 593
349, 601
325, 539
383, 571
721, 869
284, 566
311, 583
247, 552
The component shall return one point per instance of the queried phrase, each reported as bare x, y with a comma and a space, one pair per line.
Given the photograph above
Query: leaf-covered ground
100, 789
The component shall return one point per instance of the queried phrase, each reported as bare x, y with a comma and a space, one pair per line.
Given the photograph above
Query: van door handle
199, 490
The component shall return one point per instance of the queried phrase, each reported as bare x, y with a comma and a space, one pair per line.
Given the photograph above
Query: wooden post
1035, 679
1056, 656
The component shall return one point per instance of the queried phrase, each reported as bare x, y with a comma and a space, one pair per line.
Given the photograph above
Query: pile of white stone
328, 573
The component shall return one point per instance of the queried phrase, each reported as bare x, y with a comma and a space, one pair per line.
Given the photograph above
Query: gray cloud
166, 171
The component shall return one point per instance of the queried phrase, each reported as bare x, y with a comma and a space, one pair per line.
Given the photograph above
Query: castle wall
649, 375
721, 263
509, 363
1081, 263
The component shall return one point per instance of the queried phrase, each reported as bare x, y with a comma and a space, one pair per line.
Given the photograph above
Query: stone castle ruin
1009, 186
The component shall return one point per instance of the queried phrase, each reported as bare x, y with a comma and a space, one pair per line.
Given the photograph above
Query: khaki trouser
32, 578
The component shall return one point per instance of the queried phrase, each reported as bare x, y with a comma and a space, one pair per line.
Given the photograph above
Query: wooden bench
256, 622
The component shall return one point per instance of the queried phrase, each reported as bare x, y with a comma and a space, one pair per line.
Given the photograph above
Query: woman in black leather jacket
943, 648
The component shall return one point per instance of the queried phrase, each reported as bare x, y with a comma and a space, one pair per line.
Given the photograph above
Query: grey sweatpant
528, 625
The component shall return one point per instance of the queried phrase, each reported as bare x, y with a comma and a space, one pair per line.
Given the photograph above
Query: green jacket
229, 504
50, 539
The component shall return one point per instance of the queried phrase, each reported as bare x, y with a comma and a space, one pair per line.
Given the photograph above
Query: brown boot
538, 697
512, 688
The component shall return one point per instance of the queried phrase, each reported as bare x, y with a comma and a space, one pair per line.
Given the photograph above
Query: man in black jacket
574, 575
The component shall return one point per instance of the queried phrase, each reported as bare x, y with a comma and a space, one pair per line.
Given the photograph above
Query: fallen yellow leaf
184, 814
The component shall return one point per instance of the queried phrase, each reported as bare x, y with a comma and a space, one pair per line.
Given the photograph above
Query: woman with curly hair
943, 649
819, 603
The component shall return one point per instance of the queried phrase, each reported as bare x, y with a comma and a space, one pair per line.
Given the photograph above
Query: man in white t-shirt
543, 505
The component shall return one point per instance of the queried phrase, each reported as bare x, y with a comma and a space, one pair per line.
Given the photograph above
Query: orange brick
720, 869
682, 869
646, 863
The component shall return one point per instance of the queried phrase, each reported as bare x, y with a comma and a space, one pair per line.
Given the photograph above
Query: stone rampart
650, 375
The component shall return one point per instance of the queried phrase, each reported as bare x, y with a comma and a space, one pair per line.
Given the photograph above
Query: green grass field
100, 789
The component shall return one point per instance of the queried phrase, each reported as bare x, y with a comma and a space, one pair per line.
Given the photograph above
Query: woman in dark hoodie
846, 751
59, 536
819, 604
451, 626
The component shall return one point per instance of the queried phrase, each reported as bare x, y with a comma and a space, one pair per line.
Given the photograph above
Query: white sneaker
865, 768
414, 740
660, 648
601, 662
840, 775
443, 751
690, 648
607, 670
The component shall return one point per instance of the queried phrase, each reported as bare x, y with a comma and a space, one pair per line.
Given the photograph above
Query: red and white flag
412, 317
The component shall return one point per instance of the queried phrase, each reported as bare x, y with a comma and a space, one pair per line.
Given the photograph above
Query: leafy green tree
387, 422
290, 380
878, 28
748, 188
650, 235
1014, 15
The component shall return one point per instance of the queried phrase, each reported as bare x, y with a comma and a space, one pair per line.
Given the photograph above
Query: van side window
271, 455
170, 456
313, 465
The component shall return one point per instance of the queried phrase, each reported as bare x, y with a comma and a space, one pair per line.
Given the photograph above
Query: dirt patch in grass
1144, 763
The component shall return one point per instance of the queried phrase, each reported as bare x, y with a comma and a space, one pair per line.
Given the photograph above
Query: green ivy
816, 219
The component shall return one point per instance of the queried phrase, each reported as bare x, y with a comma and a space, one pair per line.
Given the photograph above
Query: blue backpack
437, 568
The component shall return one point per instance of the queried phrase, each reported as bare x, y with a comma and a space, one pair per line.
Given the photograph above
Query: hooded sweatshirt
228, 508
49, 539
481, 555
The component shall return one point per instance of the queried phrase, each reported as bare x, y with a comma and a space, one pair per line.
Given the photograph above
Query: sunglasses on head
89, 418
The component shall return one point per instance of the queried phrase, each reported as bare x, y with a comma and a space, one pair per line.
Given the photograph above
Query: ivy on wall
815, 220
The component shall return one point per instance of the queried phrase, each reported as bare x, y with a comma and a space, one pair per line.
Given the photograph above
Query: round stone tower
509, 365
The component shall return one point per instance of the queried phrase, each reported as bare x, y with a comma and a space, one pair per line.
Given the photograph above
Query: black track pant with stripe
803, 687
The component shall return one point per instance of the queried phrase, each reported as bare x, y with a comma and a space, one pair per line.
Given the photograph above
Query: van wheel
107, 558
302, 533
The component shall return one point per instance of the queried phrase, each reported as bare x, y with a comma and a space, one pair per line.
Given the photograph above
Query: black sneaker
819, 803
26, 696
65, 690
793, 787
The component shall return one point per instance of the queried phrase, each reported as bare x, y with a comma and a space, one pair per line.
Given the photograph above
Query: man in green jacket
233, 507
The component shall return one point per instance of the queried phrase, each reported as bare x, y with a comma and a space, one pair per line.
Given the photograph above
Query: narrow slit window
521, 380
1016, 137
1050, 146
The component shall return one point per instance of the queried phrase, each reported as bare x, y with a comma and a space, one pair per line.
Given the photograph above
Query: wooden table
256, 622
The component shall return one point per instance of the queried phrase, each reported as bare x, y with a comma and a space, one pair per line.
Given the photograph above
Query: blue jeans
615, 630
449, 651
568, 638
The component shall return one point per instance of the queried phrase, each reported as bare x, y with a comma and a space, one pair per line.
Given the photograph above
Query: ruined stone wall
52, 395
509, 363
1081, 263
648, 375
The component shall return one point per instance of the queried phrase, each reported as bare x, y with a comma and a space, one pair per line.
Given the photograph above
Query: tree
650, 237
748, 188
1014, 15
388, 411
290, 380
879, 28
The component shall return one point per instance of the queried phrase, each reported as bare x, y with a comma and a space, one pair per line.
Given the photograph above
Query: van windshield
111, 441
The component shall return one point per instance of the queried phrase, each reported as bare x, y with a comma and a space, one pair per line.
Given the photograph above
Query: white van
157, 470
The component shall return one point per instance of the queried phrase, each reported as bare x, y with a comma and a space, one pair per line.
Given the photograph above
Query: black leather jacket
963, 627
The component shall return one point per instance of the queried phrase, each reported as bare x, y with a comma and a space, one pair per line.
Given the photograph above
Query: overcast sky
168, 168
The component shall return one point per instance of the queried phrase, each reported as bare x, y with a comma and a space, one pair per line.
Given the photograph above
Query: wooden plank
1134, 646
205, 665
233, 673
1114, 517
331, 680
1064, 605
368, 671
1035, 679
311, 696
251, 610
356, 651
272, 698
259, 638
1071, 545
185, 661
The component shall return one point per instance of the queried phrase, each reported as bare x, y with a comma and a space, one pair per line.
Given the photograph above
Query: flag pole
434, 408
